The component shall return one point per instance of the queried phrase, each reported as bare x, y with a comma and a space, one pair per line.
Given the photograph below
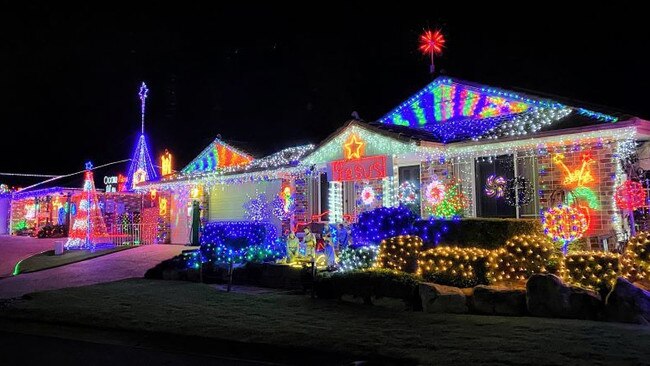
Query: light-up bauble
367, 195
564, 224
630, 195
435, 192
495, 186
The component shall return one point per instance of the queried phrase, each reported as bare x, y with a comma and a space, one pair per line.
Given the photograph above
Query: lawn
47, 259
193, 309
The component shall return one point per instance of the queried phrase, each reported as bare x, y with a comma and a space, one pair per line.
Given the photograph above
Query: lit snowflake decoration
407, 194
435, 192
367, 195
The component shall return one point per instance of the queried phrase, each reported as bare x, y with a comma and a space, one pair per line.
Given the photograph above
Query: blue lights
381, 223
240, 241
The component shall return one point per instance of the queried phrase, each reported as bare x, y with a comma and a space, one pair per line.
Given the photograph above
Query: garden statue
330, 254
342, 237
310, 243
293, 244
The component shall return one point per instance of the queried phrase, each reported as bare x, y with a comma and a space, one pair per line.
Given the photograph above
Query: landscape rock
495, 300
442, 299
548, 296
628, 303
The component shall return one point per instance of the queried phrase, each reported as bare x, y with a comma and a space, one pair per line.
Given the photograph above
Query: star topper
353, 147
143, 92
89, 165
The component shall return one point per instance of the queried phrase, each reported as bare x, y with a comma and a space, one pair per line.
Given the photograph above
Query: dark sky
267, 77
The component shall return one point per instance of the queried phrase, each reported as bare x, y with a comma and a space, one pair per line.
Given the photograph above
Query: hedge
482, 233
454, 266
522, 256
400, 253
367, 284
593, 270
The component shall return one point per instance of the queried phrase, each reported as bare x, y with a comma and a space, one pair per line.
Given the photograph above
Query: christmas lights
495, 186
435, 192
216, 157
522, 256
399, 253
335, 199
381, 223
454, 266
141, 168
352, 259
367, 195
88, 228
636, 261
564, 224
630, 195
407, 193
453, 204
593, 270
166, 163
519, 192
233, 239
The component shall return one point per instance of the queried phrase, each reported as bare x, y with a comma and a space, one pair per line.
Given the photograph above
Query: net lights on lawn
564, 224
453, 265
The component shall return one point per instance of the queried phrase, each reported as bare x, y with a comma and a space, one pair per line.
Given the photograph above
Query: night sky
268, 77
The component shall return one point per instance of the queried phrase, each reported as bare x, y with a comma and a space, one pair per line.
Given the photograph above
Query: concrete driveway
112, 267
15, 248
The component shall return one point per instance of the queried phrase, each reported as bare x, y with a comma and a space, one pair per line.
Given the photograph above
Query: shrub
593, 270
381, 223
366, 284
239, 241
400, 253
484, 233
521, 257
636, 259
358, 258
454, 266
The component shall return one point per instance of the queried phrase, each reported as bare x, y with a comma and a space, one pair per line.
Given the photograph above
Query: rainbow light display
455, 111
216, 157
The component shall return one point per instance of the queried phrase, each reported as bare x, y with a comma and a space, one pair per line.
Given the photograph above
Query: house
454, 149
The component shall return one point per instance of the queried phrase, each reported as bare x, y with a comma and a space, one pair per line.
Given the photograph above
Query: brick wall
552, 189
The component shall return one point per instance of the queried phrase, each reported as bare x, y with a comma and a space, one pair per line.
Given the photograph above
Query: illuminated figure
310, 243
293, 245
330, 254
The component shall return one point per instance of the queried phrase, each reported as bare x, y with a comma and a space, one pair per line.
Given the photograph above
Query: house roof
451, 110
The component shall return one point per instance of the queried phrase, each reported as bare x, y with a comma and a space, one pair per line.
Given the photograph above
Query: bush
384, 222
454, 266
400, 253
483, 233
593, 270
239, 241
53, 231
521, 257
366, 284
636, 259
358, 258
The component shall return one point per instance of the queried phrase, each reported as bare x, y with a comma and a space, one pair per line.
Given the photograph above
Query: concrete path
15, 248
112, 267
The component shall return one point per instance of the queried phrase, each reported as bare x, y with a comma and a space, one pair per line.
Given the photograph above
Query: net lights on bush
522, 256
636, 261
367, 195
352, 259
495, 186
381, 223
454, 266
399, 253
564, 224
452, 205
239, 240
593, 270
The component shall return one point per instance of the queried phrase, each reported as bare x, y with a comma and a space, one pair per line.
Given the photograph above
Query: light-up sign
371, 167
166, 163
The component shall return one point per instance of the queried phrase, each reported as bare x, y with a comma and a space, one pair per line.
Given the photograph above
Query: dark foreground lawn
296, 321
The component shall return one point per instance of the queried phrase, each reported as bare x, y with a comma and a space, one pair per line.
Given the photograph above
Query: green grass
194, 309
47, 259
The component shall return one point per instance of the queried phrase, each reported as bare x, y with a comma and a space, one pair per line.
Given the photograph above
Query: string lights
399, 253
564, 224
593, 270
141, 168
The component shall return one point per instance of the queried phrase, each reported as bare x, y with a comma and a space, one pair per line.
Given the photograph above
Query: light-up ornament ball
630, 195
564, 224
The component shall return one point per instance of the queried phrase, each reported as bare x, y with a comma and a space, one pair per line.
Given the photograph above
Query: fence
133, 234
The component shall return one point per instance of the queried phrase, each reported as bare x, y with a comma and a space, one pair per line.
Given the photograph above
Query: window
486, 206
411, 174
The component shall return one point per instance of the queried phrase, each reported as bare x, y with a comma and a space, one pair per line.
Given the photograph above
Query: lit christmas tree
141, 168
87, 229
